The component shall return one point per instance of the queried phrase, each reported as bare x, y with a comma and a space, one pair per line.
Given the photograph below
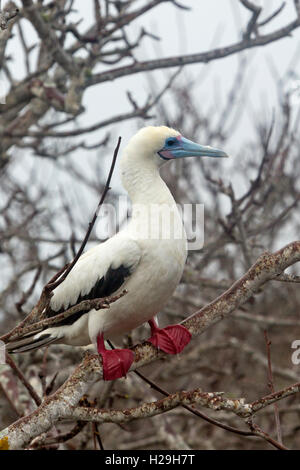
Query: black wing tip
104, 287
27, 344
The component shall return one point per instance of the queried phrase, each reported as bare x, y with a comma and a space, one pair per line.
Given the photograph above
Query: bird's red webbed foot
171, 339
115, 362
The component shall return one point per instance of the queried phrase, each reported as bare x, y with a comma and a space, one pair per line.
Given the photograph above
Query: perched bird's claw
115, 362
171, 339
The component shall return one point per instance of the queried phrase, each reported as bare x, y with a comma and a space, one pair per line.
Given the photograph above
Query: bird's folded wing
100, 272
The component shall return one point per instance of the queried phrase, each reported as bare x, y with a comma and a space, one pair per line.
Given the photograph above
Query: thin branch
255, 10
23, 379
6, 16
49, 38
287, 278
63, 403
194, 411
85, 306
186, 59
271, 387
191, 410
272, 16
53, 285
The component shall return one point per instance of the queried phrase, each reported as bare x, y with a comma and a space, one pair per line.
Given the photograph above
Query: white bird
146, 258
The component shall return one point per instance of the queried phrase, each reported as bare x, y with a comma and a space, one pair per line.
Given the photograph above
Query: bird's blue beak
181, 147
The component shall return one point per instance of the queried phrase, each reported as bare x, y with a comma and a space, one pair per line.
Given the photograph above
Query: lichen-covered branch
62, 403
267, 267
64, 88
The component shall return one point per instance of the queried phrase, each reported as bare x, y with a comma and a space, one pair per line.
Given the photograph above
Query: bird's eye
170, 142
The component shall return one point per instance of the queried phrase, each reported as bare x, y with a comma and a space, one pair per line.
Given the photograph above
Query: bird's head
155, 145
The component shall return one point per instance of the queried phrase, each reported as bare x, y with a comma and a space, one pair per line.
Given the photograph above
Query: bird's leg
171, 339
115, 362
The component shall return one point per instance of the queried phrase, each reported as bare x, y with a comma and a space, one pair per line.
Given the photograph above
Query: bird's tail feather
29, 343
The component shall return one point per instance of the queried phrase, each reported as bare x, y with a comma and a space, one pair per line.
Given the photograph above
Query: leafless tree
235, 292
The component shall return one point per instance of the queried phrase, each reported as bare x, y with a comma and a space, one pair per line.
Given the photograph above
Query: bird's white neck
155, 215
145, 185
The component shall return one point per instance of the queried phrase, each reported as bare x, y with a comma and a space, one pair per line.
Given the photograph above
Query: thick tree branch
203, 57
62, 403
49, 38
6, 16
267, 267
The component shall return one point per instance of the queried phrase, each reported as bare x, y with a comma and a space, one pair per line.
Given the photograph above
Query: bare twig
271, 387
53, 285
23, 379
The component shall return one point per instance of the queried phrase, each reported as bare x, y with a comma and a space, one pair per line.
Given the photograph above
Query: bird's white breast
154, 280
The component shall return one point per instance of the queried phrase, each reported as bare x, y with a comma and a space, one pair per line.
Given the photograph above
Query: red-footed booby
148, 264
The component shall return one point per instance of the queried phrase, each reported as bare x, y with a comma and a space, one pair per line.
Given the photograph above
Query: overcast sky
213, 23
